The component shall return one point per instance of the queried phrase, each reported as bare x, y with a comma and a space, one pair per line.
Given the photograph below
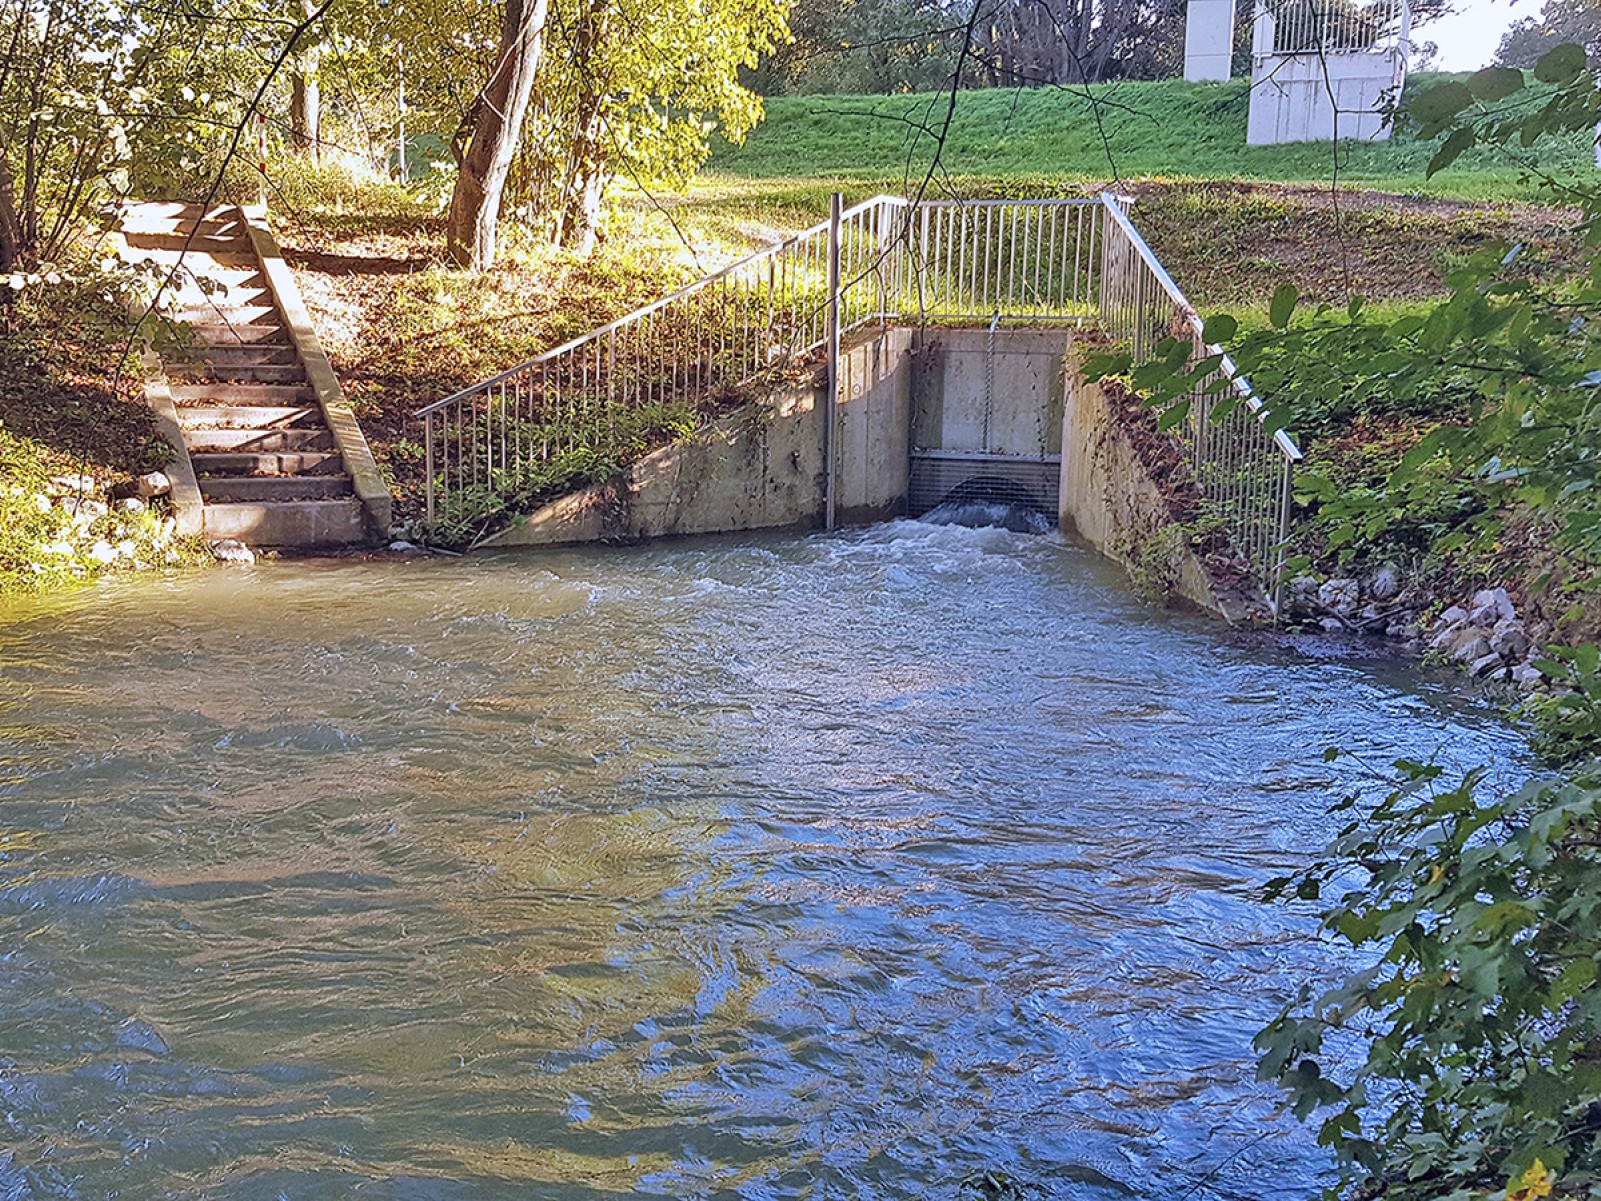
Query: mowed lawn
1105, 134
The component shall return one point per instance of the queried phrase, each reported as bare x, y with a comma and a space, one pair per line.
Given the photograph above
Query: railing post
836, 206
428, 459
1286, 499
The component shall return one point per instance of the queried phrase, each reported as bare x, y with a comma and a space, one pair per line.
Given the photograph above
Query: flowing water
841, 867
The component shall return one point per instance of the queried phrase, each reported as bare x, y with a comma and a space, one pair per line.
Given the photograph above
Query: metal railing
1331, 26
1242, 467
883, 261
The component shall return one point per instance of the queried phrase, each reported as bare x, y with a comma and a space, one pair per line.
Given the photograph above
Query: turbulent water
841, 867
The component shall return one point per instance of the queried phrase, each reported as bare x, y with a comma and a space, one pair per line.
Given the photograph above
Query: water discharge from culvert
990, 514
845, 866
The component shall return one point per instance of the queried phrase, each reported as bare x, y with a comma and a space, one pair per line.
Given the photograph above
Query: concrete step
256, 354
219, 311
302, 523
241, 373
299, 440
197, 262
207, 392
272, 489
204, 242
219, 334
192, 299
253, 464
248, 417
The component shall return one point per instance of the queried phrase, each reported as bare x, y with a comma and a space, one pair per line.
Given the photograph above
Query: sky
1468, 38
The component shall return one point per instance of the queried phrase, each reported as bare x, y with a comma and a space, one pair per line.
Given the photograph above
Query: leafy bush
1480, 1016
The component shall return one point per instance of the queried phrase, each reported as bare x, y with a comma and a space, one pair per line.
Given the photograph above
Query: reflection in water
797, 867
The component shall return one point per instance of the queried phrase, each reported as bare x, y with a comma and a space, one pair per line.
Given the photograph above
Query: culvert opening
984, 502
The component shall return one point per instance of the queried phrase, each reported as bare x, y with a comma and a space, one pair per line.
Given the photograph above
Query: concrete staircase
262, 421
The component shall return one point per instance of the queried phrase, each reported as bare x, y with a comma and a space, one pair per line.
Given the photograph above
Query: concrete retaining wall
1109, 500
1027, 395
761, 468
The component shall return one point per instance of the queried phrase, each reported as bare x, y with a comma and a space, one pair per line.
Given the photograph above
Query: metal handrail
656, 306
1176, 294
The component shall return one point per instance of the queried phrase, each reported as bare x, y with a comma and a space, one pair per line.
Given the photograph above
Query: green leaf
1219, 327
1440, 103
1495, 83
1462, 138
1564, 64
1282, 306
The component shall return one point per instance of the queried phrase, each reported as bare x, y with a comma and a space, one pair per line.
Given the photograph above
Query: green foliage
1466, 1058
1567, 721
1470, 1050
51, 537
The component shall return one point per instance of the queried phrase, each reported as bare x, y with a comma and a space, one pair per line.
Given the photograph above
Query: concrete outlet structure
922, 416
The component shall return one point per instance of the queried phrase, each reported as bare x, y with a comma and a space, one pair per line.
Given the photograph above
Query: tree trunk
496, 127
12, 242
305, 108
305, 96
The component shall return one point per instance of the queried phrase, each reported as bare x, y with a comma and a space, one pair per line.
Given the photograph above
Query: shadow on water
861, 865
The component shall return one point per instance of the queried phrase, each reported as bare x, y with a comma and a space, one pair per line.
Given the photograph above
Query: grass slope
1121, 131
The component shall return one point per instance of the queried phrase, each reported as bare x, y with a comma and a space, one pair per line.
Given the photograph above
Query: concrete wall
1208, 41
1026, 401
1109, 500
760, 468
1290, 97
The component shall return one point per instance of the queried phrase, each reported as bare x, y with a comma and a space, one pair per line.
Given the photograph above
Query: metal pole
836, 206
428, 440
400, 106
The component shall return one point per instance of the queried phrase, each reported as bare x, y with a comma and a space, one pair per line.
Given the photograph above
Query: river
842, 866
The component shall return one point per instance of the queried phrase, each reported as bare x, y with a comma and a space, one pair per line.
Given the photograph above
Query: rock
126, 548
1486, 664
1370, 613
1404, 627
82, 485
401, 547
231, 551
1509, 640
131, 504
1300, 595
1385, 583
154, 483
1453, 616
1526, 676
1446, 637
1496, 598
1471, 649
103, 552
397, 533
1332, 625
43, 503
1485, 616
1339, 596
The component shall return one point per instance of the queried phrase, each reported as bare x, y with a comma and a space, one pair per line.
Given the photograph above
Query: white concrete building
1325, 69
1208, 40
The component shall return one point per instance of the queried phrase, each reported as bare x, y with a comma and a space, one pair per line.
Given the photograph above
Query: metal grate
939, 476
